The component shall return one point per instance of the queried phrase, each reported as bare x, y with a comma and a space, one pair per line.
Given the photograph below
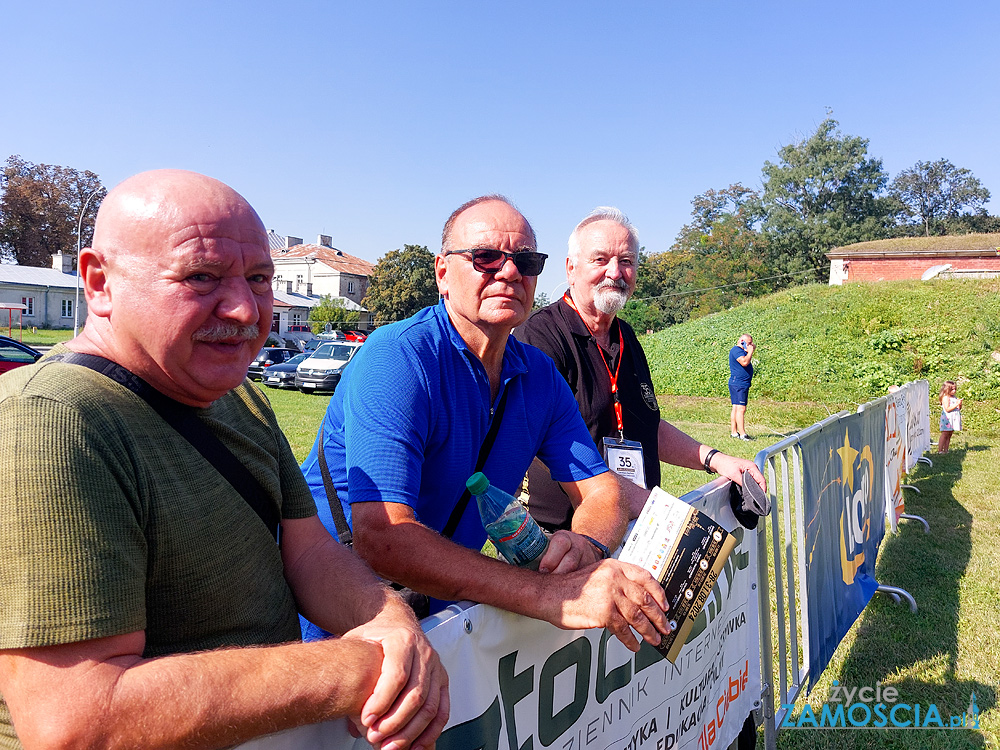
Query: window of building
29, 305
296, 319
350, 287
67, 308
299, 278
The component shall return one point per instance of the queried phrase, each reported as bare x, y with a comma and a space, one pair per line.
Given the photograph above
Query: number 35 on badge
624, 457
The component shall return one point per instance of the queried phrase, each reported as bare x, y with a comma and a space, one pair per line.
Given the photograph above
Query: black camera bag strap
185, 421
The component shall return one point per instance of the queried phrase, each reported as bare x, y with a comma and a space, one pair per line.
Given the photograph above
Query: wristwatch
708, 461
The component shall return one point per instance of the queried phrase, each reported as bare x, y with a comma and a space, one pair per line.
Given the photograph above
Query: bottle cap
477, 483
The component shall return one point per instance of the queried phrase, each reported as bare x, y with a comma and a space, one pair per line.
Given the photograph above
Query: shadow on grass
917, 654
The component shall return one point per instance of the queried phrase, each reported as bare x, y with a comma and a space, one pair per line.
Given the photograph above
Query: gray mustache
225, 331
613, 284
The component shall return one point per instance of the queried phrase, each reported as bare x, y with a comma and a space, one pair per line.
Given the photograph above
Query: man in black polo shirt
599, 355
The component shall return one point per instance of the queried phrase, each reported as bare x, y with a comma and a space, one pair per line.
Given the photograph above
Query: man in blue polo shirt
740, 376
405, 426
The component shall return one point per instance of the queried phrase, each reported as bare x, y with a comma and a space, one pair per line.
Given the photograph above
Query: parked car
299, 329
269, 355
312, 344
282, 375
15, 354
321, 371
355, 335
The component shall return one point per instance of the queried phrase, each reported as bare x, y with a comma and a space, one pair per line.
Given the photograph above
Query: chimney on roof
288, 287
292, 241
324, 240
62, 262
309, 289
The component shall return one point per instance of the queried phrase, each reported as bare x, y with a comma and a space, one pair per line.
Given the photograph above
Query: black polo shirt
559, 331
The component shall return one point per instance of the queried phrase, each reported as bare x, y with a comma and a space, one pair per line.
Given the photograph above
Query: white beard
610, 300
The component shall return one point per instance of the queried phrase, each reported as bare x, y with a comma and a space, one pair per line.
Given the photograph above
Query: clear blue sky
372, 121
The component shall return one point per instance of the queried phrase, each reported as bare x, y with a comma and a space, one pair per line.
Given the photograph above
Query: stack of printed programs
684, 549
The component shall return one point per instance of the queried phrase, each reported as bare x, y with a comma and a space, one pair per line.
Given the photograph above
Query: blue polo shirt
408, 418
739, 375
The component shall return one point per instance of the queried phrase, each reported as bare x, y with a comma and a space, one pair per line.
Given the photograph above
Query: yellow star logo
847, 456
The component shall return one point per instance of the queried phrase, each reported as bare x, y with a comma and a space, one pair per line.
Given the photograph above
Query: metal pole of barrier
779, 600
800, 528
764, 618
785, 592
896, 594
793, 634
912, 517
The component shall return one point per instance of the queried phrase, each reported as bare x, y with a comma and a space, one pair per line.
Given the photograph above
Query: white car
321, 370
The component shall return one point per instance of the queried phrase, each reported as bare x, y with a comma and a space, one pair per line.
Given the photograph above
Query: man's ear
96, 284
441, 274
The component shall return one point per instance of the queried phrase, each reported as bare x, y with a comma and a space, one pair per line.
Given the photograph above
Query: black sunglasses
488, 260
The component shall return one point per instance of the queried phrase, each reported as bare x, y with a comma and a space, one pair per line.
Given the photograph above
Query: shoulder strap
484, 452
186, 422
337, 511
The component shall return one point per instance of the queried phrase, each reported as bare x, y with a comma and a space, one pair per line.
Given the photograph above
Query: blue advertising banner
844, 516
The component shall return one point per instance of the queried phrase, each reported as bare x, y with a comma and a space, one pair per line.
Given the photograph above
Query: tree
709, 266
402, 284
937, 191
824, 192
40, 207
726, 220
330, 310
541, 300
661, 296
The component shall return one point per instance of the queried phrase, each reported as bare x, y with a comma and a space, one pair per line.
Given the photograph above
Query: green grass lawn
299, 415
41, 336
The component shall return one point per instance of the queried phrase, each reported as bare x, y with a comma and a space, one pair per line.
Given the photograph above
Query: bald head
447, 236
142, 212
178, 284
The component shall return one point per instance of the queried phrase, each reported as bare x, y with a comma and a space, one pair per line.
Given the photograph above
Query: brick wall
895, 269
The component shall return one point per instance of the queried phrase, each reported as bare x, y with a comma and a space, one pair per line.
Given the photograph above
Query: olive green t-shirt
111, 522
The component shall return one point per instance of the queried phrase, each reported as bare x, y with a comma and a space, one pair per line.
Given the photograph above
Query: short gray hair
449, 225
603, 213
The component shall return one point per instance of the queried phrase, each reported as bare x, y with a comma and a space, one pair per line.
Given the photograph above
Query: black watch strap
605, 552
708, 461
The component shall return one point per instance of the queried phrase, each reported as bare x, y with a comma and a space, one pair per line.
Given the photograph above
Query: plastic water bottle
513, 532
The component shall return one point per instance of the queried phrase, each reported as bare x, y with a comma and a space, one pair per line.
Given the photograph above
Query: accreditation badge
624, 457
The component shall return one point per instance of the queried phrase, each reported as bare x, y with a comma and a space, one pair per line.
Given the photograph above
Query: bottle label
517, 537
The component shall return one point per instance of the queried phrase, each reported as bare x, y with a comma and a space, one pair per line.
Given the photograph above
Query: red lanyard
613, 378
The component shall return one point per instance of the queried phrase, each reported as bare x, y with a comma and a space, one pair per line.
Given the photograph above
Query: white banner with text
518, 683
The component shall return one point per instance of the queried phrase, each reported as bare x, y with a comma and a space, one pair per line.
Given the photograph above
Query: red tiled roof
335, 259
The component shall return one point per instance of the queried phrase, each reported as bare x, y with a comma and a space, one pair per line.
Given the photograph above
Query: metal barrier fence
784, 607
781, 464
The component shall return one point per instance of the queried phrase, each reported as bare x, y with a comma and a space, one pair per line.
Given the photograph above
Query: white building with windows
318, 269
46, 296
305, 272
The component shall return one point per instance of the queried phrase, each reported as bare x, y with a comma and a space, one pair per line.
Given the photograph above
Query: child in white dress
951, 414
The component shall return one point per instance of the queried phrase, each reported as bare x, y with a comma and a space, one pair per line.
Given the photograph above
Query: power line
726, 286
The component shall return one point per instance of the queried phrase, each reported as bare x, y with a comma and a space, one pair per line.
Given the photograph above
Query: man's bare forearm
607, 594
678, 448
100, 693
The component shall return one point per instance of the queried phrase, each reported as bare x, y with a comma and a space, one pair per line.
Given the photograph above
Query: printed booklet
685, 550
